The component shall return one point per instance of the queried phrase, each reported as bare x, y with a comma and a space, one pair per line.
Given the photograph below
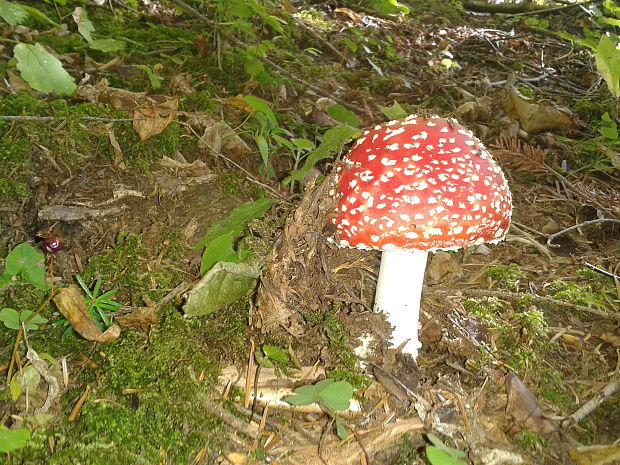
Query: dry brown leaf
524, 407
352, 15
443, 267
142, 318
238, 102
70, 304
118, 153
220, 137
152, 119
536, 116
596, 455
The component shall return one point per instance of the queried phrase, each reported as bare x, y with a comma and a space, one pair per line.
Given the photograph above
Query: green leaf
5, 280
43, 71
394, 112
29, 378
236, 221
154, 78
38, 15
609, 130
439, 457
275, 353
12, 439
221, 286
219, 250
263, 149
12, 13
10, 317
438, 443
303, 144
608, 63
15, 389
337, 395
340, 429
258, 104
113, 45
303, 395
333, 141
34, 322
343, 115
85, 26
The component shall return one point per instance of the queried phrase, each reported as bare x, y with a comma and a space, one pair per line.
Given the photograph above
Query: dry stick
580, 225
540, 300
591, 405
266, 61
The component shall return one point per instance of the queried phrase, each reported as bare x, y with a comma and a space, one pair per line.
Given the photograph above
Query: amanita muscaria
413, 186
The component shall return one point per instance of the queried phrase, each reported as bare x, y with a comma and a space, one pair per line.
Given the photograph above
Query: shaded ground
129, 217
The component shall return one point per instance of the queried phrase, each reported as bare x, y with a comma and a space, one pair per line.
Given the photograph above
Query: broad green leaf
15, 388
219, 250
303, 144
394, 112
438, 457
38, 15
43, 71
113, 45
343, 115
438, 443
337, 395
236, 221
29, 378
85, 26
303, 395
12, 13
274, 353
10, 317
5, 279
333, 141
608, 63
12, 439
34, 322
221, 286
609, 130
258, 104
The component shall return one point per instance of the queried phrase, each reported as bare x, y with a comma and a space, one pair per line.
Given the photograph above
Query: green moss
505, 276
161, 418
531, 441
588, 293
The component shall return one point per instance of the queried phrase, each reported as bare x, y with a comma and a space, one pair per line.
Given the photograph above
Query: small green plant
12, 439
331, 395
13, 319
531, 441
220, 237
505, 276
27, 262
98, 306
440, 454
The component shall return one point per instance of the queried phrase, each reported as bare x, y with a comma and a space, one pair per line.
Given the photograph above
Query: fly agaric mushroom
413, 186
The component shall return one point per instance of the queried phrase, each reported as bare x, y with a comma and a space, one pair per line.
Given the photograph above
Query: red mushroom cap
420, 183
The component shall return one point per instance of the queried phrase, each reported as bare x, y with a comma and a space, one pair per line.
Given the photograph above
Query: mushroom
413, 186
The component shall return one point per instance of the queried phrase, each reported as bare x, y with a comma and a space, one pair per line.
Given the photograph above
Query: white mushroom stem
399, 289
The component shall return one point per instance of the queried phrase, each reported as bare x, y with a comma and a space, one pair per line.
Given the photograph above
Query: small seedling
25, 261
97, 305
13, 319
440, 454
329, 394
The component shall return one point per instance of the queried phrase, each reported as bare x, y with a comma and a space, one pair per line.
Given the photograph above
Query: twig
601, 271
586, 409
555, 8
265, 60
537, 300
577, 226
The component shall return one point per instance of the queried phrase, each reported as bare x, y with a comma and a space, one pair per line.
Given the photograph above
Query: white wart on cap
422, 183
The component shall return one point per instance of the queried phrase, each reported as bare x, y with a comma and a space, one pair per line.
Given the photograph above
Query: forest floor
517, 337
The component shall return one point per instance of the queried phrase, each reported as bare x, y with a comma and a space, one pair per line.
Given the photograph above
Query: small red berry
51, 244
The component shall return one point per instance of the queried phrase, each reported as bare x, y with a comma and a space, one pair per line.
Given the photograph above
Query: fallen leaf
142, 317
220, 137
352, 15
152, 119
70, 304
118, 153
524, 407
536, 116
443, 267
595, 455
